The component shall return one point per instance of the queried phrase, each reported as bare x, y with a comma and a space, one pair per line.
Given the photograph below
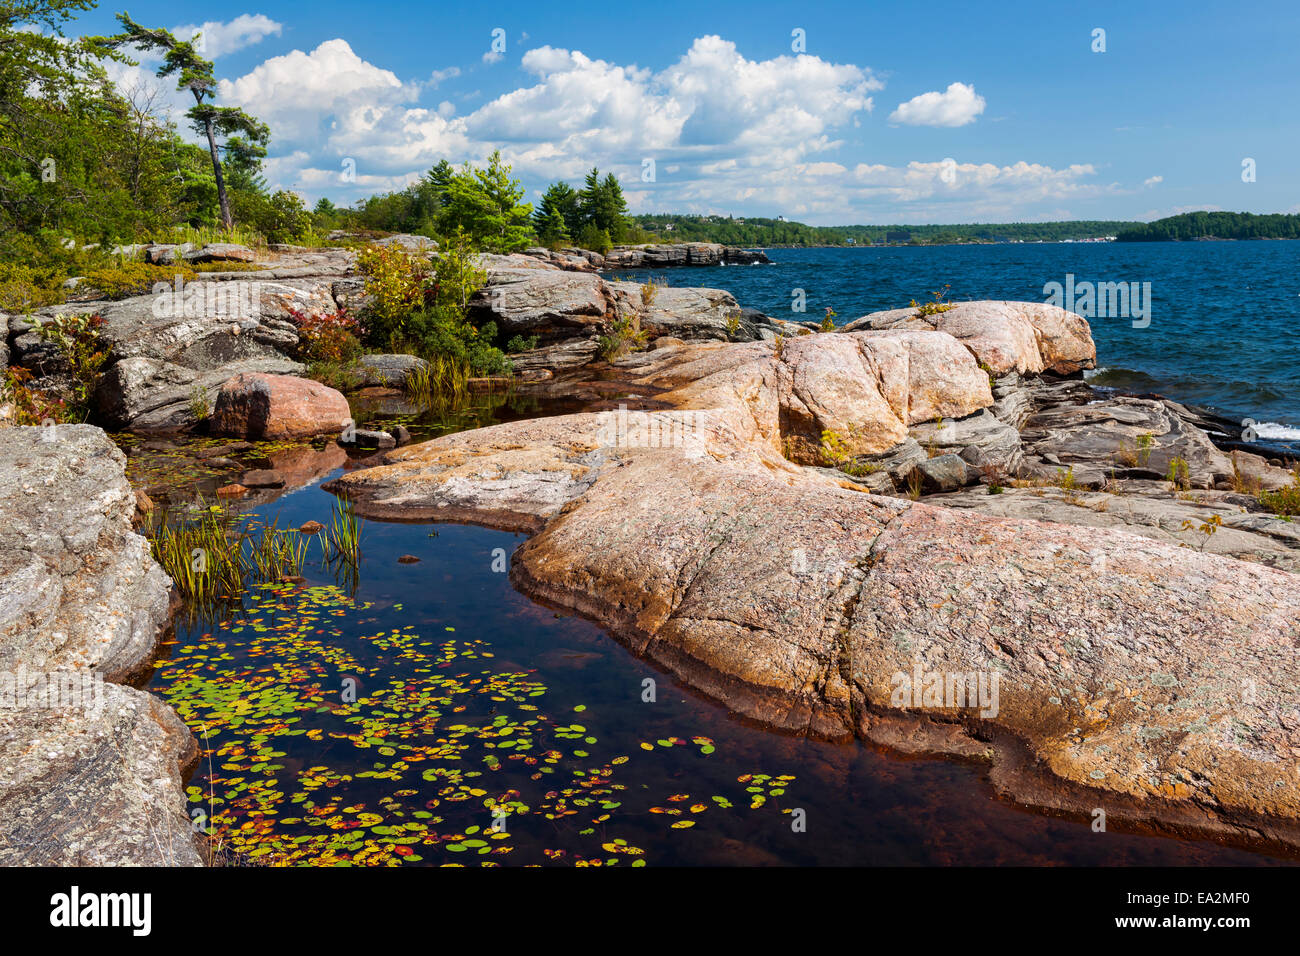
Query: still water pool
394, 718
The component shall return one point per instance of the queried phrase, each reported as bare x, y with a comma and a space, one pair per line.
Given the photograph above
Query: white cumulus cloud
219, 39
956, 106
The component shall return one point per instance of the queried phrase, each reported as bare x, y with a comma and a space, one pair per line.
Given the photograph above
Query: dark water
470, 697
1223, 322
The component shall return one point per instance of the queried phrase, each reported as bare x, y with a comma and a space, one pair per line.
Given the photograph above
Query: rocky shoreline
786, 519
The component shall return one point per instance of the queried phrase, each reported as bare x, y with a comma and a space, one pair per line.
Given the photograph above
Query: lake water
1224, 316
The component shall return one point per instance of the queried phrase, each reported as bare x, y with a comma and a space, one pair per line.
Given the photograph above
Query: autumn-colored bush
332, 337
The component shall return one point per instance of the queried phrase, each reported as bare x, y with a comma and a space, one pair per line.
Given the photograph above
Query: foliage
521, 343
80, 342
937, 304
424, 311
557, 219
1285, 501
334, 337
761, 231
1214, 225
1179, 473
394, 281
625, 335
246, 136
29, 406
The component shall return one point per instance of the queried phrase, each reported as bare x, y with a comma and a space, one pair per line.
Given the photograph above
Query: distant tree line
760, 231
1214, 225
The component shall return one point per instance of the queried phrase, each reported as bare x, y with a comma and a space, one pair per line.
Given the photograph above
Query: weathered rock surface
1248, 535
1004, 336
389, 370
1120, 437
96, 788
541, 300
261, 406
175, 345
651, 255
146, 394
94, 776
221, 252
78, 588
800, 600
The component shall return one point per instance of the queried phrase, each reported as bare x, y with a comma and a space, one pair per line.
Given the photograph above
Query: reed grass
213, 555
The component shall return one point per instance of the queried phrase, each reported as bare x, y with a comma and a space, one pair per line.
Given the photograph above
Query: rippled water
1223, 323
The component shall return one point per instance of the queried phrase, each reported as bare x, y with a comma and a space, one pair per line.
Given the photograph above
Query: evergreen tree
195, 74
485, 203
557, 214
602, 206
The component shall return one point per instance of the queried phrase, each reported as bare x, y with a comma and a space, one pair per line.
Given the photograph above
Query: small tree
549, 220
485, 204
194, 73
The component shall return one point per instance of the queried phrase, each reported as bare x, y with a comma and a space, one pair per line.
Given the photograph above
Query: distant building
898, 235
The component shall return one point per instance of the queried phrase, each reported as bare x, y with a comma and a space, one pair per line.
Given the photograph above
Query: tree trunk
222, 198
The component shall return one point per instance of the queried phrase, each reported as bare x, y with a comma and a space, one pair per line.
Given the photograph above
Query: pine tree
195, 74
550, 221
485, 204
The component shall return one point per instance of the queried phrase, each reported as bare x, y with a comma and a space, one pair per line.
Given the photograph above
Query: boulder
86, 786
166, 254
984, 442
544, 300
417, 245
259, 406
943, 473
1023, 337
391, 371
1120, 438
90, 771
869, 388
220, 252
78, 589
150, 395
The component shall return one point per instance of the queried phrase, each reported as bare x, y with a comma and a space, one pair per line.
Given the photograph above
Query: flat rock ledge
92, 774
1107, 670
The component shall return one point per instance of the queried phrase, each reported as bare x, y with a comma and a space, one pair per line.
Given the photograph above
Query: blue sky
897, 112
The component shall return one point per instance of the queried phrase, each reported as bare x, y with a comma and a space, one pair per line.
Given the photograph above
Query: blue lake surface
1223, 323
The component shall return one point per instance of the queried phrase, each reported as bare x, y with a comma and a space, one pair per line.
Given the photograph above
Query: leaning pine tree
181, 59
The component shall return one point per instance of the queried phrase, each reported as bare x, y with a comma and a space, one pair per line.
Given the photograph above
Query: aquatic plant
342, 537
333, 737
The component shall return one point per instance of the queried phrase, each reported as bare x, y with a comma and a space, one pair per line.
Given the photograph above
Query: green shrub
1284, 501
82, 345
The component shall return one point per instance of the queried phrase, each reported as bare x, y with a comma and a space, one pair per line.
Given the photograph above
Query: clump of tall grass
342, 538
439, 379
212, 555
